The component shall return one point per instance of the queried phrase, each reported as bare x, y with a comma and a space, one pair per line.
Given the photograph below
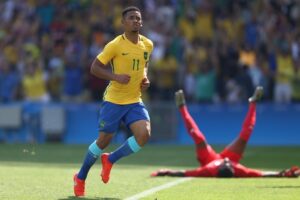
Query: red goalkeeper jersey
211, 170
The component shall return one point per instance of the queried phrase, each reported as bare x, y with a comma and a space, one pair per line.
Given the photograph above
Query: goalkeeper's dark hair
225, 170
128, 9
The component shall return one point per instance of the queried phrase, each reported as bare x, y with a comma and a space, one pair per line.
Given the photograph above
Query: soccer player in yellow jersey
128, 55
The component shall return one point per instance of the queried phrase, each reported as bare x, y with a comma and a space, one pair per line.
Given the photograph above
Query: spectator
34, 82
80, 30
284, 76
73, 82
205, 83
296, 83
9, 82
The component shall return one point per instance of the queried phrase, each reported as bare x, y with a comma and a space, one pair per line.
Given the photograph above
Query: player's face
132, 21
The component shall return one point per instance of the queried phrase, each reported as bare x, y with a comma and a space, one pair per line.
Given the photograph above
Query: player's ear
141, 24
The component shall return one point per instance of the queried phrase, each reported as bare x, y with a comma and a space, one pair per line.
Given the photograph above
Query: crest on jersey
102, 124
145, 55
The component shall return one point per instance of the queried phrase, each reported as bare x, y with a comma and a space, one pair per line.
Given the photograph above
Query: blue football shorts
111, 115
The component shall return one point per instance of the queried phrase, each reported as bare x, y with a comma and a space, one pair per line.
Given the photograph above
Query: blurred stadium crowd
217, 50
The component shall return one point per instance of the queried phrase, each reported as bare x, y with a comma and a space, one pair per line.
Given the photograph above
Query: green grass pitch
42, 172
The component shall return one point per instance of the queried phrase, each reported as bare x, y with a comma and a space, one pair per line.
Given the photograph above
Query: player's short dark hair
128, 9
225, 171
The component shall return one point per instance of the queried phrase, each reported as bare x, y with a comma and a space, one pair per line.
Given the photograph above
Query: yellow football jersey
126, 57
34, 86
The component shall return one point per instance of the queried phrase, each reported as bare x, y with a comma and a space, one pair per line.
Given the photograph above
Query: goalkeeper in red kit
226, 163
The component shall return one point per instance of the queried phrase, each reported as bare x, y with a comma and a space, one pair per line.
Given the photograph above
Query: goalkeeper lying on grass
225, 164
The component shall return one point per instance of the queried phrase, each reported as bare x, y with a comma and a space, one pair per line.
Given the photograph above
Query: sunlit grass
45, 172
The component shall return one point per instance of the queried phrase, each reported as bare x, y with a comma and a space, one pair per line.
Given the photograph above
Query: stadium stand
217, 51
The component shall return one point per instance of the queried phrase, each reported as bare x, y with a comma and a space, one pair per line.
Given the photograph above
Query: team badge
145, 55
102, 124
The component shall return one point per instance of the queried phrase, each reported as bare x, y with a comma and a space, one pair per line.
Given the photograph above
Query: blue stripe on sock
94, 149
134, 146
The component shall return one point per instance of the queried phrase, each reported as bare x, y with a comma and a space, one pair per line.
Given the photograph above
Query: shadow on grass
282, 187
84, 198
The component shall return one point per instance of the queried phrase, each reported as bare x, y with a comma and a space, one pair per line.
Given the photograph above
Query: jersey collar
125, 38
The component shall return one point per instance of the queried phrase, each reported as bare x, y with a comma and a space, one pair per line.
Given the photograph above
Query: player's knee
103, 140
141, 131
143, 138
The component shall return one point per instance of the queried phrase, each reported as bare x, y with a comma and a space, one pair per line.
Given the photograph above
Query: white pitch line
158, 188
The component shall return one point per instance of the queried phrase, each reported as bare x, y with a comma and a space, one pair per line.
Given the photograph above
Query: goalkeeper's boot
106, 167
258, 93
179, 98
79, 186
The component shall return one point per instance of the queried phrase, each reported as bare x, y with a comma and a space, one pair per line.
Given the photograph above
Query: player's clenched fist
145, 84
122, 78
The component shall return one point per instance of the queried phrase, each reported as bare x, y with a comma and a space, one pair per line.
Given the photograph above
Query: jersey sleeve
242, 171
200, 172
151, 46
107, 54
